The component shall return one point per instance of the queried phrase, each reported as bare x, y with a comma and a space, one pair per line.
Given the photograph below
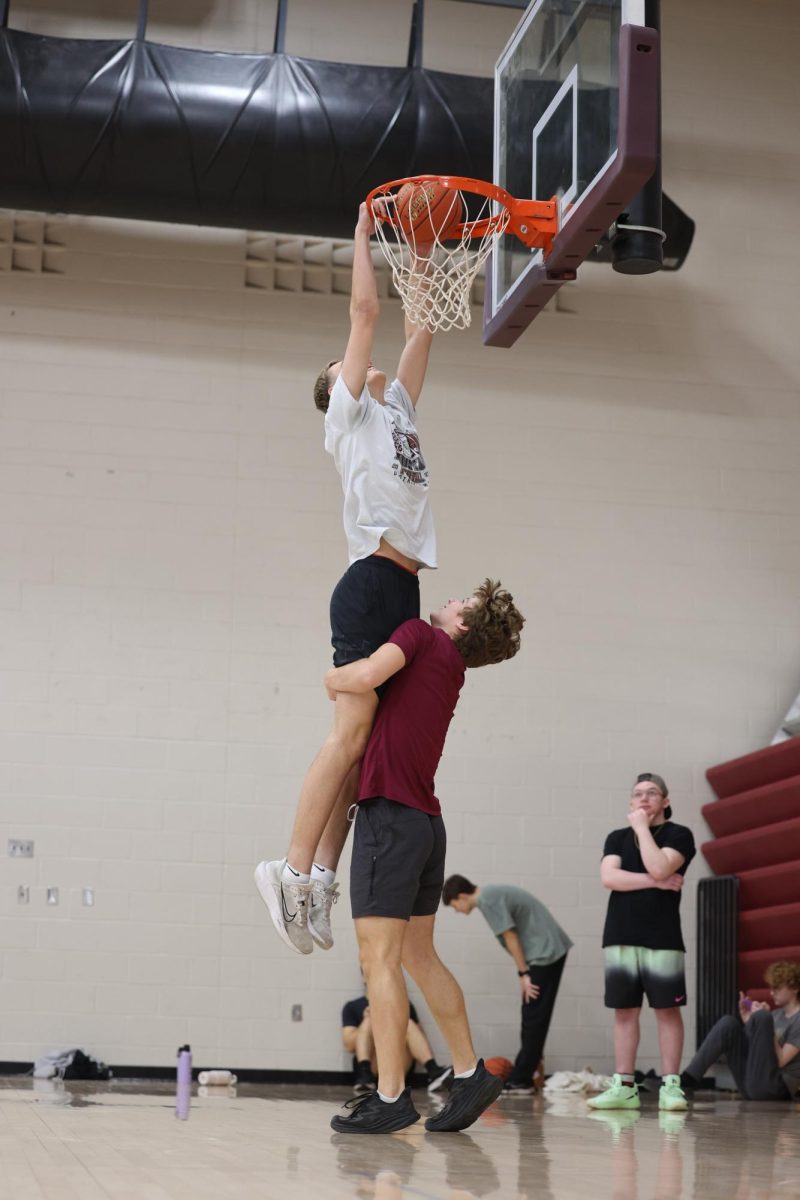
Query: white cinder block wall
170, 533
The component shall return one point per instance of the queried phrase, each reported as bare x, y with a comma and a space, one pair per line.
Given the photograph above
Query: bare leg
334, 836
380, 942
418, 1045
365, 1043
670, 1039
325, 778
441, 991
626, 1039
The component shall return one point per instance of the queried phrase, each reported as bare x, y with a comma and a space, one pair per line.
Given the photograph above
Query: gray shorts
397, 865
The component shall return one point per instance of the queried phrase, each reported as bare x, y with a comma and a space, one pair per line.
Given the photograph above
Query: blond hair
783, 974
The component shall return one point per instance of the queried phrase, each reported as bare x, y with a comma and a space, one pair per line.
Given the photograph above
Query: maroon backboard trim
637, 154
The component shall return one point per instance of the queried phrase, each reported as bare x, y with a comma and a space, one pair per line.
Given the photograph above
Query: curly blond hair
783, 974
494, 626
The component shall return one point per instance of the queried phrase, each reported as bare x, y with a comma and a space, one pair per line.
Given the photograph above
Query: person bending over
538, 946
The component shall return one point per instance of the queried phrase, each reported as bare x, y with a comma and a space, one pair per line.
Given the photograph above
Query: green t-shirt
506, 907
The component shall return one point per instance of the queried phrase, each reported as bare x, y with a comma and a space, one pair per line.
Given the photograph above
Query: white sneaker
287, 904
319, 913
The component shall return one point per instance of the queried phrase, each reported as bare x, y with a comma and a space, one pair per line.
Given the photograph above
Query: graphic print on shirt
408, 465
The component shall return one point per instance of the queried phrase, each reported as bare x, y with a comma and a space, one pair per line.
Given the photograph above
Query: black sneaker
364, 1081
468, 1098
439, 1077
372, 1115
518, 1089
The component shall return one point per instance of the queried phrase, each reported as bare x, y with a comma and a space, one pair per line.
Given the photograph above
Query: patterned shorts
633, 972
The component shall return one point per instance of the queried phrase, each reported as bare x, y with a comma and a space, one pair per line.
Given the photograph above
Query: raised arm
660, 863
414, 360
367, 673
364, 308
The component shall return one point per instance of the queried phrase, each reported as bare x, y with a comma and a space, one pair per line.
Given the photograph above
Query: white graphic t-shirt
377, 453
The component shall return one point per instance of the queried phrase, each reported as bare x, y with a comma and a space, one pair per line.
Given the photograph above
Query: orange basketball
499, 1066
429, 210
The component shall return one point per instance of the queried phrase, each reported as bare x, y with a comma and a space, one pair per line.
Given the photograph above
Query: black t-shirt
652, 916
353, 1012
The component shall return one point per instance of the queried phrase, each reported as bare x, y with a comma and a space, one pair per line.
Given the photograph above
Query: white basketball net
434, 282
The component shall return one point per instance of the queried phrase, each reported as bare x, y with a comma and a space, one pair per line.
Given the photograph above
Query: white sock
389, 1099
323, 875
289, 875
466, 1074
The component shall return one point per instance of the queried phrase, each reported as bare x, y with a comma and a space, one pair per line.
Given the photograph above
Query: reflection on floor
121, 1141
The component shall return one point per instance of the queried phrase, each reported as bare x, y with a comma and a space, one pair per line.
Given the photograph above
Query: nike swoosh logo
679, 998
289, 916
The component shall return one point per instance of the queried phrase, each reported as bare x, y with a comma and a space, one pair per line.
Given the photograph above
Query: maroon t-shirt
413, 718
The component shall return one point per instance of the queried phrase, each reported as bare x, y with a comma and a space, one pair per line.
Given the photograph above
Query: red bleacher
756, 821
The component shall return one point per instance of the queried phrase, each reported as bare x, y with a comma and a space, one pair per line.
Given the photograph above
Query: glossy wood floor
122, 1141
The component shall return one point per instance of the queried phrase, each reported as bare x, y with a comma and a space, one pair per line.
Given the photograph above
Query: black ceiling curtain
255, 141
136, 129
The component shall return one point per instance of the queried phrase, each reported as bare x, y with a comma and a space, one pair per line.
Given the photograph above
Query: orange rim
533, 222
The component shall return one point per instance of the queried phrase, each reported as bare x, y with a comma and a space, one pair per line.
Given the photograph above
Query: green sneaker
619, 1095
670, 1096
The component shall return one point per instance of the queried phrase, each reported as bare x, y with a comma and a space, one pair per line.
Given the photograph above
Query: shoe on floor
619, 1095
671, 1097
322, 900
467, 1100
439, 1077
364, 1081
287, 904
518, 1089
370, 1114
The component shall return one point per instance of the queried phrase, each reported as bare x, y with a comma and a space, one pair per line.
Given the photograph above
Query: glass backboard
568, 72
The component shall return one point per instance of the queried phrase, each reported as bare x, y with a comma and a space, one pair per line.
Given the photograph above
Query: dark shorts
372, 598
633, 972
397, 865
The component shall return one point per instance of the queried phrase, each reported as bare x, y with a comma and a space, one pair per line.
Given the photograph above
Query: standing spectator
643, 867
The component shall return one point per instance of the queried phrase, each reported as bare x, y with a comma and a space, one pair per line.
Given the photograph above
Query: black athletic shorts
397, 865
372, 598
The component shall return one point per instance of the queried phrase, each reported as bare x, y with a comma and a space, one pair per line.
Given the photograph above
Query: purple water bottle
183, 1096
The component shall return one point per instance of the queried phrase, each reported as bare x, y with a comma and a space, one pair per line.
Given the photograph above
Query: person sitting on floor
358, 1041
761, 1046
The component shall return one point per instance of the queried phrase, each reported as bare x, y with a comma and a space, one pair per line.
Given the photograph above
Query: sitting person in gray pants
761, 1046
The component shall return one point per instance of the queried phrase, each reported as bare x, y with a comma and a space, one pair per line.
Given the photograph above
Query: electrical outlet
23, 894
297, 1012
20, 848
88, 898
52, 895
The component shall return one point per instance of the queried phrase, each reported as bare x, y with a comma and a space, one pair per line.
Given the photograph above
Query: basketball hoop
434, 279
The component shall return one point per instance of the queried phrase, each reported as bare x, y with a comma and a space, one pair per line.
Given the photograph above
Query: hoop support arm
534, 222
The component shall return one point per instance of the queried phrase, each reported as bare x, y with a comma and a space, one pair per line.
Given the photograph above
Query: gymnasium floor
121, 1141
